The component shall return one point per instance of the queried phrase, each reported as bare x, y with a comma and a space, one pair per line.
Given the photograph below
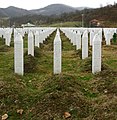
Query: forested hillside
106, 15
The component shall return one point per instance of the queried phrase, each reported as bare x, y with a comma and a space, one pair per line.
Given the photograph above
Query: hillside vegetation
40, 95
58, 13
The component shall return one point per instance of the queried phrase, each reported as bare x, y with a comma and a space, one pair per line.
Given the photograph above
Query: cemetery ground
40, 95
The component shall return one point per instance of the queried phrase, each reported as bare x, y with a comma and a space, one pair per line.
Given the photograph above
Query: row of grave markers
72, 33
108, 33
78, 36
18, 47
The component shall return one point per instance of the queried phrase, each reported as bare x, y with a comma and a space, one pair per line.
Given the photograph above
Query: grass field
65, 24
79, 24
40, 95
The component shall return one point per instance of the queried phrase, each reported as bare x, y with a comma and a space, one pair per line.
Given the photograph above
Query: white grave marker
37, 39
78, 40
96, 54
91, 37
57, 54
30, 43
18, 55
85, 45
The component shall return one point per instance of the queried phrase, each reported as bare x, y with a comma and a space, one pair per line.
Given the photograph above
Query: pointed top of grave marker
85, 34
18, 38
96, 38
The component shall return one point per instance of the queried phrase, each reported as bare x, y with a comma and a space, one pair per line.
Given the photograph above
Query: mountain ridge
53, 9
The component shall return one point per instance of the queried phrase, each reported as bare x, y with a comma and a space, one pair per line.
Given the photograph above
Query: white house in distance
28, 25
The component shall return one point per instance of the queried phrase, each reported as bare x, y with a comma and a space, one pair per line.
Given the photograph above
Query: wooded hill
106, 15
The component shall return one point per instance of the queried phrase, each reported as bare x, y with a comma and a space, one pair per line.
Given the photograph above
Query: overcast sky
35, 4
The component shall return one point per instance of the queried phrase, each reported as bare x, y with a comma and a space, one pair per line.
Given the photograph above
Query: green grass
110, 24
44, 96
65, 24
